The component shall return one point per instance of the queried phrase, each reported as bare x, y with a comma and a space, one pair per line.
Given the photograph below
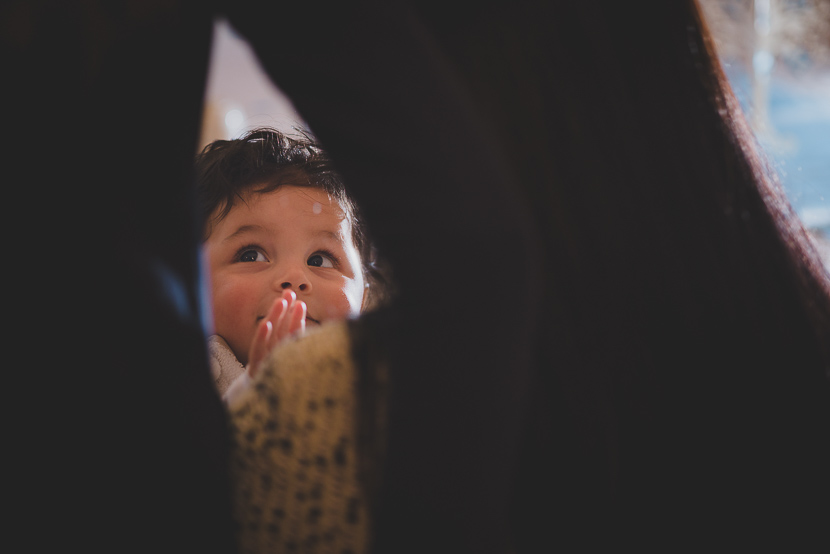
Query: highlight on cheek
317, 208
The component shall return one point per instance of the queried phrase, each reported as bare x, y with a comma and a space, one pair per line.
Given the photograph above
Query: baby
284, 246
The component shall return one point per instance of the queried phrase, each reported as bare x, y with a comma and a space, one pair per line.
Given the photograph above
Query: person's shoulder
318, 362
294, 427
323, 348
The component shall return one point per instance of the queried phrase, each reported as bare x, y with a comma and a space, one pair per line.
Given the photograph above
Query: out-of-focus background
776, 54
238, 95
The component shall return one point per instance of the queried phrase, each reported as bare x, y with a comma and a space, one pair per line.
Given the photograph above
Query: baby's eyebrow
327, 234
243, 230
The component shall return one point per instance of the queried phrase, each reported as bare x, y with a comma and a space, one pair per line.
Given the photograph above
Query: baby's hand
287, 317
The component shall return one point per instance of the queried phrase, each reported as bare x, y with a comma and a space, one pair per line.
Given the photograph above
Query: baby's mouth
308, 319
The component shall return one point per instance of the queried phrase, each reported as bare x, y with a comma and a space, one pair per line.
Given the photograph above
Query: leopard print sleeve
294, 457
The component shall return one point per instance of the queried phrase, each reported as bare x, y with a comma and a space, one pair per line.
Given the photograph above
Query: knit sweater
294, 450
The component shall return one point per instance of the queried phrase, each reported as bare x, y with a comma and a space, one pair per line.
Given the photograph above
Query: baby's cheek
331, 304
235, 317
351, 299
355, 297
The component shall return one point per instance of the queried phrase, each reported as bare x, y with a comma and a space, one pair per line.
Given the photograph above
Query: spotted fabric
294, 456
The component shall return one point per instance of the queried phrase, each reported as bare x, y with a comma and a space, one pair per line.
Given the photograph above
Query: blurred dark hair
262, 161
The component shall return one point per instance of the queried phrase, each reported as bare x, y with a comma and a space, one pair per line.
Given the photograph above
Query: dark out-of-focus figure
120, 441
682, 388
610, 329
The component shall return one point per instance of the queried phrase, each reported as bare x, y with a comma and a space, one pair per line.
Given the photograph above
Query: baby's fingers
292, 321
265, 338
296, 324
259, 346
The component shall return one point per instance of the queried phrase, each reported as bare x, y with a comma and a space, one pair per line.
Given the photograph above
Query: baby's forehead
278, 203
304, 201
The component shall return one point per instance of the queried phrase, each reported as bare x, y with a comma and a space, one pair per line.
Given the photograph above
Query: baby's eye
321, 260
251, 255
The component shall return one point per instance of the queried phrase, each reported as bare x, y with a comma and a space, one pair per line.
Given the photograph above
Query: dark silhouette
122, 437
681, 396
663, 385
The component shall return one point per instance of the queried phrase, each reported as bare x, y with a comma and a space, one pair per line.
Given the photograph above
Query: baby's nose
301, 286
293, 278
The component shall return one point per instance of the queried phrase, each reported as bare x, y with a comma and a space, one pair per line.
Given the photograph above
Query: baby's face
294, 237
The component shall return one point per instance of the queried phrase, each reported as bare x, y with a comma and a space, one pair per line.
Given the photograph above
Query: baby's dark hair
262, 161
